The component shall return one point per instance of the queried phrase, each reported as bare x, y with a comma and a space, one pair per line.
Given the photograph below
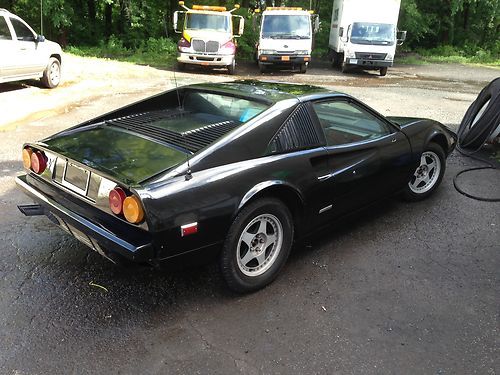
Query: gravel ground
398, 288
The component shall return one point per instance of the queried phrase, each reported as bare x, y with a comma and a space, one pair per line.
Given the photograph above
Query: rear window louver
192, 140
297, 132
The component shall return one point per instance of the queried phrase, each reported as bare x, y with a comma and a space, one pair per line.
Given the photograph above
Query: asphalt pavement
398, 288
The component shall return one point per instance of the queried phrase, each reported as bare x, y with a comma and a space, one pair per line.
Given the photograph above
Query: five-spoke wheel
257, 245
428, 174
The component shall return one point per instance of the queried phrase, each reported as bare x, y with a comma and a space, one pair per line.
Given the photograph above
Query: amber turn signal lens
116, 198
38, 162
27, 157
132, 210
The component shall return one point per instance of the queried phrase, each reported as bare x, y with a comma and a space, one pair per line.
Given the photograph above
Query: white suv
25, 54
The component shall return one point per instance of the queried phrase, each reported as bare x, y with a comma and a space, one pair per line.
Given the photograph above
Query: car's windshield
286, 26
200, 21
373, 33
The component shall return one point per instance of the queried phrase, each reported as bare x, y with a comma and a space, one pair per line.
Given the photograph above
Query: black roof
268, 91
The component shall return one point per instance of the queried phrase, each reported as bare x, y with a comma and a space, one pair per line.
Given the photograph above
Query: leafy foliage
464, 28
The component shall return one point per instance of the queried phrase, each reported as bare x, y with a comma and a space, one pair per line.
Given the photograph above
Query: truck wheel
262, 68
335, 59
344, 67
383, 71
52, 74
303, 68
232, 67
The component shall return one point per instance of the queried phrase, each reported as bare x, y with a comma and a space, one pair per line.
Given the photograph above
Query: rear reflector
38, 162
188, 229
116, 198
132, 209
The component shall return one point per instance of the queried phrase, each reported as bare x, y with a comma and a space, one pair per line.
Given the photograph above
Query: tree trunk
108, 20
91, 9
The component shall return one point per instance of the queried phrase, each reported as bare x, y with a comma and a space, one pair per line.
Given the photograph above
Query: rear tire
383, 71
52, 74
428, 174
257, 245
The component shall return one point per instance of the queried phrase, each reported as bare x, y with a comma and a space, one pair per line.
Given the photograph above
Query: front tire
262, 67
303, 68
344, 67
52, 74
428, 174
257, 245
383, 71
232, 68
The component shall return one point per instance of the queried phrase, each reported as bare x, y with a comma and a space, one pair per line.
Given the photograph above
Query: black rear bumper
97, 236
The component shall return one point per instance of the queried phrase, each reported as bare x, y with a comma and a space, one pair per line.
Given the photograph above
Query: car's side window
22, 32
4, 30
345, 122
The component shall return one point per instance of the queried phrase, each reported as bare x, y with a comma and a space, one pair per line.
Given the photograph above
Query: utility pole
41, 17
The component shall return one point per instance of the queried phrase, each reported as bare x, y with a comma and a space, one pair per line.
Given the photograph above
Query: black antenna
188, 172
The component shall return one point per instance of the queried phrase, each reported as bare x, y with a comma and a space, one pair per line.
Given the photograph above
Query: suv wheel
52, 74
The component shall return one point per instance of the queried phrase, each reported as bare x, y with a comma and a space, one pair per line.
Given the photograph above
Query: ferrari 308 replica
238, 169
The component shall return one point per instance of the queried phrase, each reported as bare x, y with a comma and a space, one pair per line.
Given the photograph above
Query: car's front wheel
257, 245
428, 174
52, 74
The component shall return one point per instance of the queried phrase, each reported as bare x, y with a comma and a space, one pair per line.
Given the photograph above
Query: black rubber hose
472, 135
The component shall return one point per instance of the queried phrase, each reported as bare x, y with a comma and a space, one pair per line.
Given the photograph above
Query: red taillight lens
183, 44
38, 162
116, 198
228, 49
27, 152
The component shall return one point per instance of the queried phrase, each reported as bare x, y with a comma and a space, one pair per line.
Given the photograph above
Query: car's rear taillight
116, 198
228, 48
132, 209
128, 206
38, 161
27, 152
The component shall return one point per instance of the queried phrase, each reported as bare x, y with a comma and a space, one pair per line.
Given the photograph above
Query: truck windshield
373, 33
286, 27
200, 21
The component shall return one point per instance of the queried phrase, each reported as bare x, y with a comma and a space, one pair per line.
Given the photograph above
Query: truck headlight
389, 56
350, 54
302, 52
267, 52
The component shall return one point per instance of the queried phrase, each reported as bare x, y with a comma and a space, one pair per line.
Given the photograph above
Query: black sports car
241, 168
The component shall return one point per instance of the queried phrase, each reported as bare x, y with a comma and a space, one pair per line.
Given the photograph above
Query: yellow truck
208, 38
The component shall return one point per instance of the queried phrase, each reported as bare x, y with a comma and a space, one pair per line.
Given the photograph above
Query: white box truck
285, 38
364, 34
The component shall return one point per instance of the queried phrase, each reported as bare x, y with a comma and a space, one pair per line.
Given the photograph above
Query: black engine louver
297, 133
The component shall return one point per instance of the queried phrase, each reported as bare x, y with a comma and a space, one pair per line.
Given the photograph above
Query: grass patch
452, 55
159, 52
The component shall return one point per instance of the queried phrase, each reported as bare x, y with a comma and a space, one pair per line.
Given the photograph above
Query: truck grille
209, 47
370, 56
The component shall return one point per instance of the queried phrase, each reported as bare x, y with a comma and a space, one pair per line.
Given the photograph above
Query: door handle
325, 177
393, 140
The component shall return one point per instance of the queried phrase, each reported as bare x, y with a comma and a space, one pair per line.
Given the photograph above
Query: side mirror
341, 32
316, 24
176, 20
241, 26
39, 39
401, 37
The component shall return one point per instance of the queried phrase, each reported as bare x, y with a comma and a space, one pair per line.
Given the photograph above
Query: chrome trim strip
324, 209
81, 220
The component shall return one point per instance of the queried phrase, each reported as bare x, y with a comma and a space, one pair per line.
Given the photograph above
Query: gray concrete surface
396, 289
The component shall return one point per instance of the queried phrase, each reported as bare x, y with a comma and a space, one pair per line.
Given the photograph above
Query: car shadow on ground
14, 86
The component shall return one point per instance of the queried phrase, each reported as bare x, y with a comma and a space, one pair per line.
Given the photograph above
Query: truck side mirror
176, 19
316, 24
341, 32
241, 26
401, 37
